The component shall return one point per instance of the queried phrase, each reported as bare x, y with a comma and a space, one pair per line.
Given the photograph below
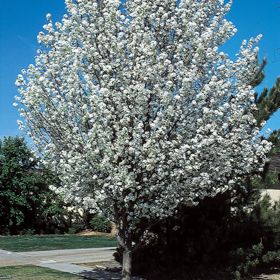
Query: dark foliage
214, 238
268, 102
275, 139
27, 205
100, 223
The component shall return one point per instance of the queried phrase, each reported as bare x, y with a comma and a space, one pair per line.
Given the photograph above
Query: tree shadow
101, 274
105, 274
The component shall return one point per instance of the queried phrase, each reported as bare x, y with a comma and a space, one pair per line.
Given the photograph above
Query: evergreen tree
268, 102
275, 139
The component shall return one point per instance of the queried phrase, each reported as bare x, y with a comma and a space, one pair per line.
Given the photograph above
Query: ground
113, 265
267, 277
23, 253
34, 273
63, 261
53, 242
19, 264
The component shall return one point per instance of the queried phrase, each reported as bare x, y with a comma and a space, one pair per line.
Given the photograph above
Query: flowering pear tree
133, 104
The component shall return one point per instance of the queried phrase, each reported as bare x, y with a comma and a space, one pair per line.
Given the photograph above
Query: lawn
53, 242
33, 272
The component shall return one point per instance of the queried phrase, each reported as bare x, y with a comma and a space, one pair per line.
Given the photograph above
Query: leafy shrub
250, 260
264, 224
76, 227
27, 232
246, 260
100, 223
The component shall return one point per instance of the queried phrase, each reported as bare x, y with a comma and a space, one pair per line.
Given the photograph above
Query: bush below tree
214, 239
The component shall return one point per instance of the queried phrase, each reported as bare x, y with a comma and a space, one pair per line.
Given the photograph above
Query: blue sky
21, 21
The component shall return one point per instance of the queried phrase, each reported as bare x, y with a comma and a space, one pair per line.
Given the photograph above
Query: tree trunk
126, 264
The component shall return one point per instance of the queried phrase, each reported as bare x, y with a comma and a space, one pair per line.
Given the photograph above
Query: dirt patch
267, 277
111, 265
94, 233
89, 232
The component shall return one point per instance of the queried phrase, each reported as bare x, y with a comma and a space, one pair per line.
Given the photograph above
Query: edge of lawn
23, 243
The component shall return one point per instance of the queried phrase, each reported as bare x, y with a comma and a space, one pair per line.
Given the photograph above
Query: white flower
48, 16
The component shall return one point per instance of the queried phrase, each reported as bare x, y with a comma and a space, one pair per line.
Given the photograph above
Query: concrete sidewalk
10, 259
89, 273
64, 260
69, 255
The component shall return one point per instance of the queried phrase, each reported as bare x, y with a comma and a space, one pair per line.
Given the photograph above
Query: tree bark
126, 264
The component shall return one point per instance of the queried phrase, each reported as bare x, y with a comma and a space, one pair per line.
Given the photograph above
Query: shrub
264, 225
251, 260
246, 260
100, 223
76, 227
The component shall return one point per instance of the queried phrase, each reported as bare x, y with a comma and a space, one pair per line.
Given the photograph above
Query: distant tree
26, 202
275, 139
268, 102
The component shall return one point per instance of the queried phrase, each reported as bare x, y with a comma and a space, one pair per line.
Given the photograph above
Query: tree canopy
138, 110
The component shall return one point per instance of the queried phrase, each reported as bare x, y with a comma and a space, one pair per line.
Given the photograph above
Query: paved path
89, 273
68, 256
63, 260
9, 259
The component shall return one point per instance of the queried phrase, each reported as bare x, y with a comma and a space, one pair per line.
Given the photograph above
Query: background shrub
76, 227
100, 223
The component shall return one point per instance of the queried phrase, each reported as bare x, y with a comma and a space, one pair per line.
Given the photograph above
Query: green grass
53, 242
33, 272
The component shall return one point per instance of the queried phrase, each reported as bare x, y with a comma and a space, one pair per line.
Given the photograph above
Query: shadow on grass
105, 274
100, 274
